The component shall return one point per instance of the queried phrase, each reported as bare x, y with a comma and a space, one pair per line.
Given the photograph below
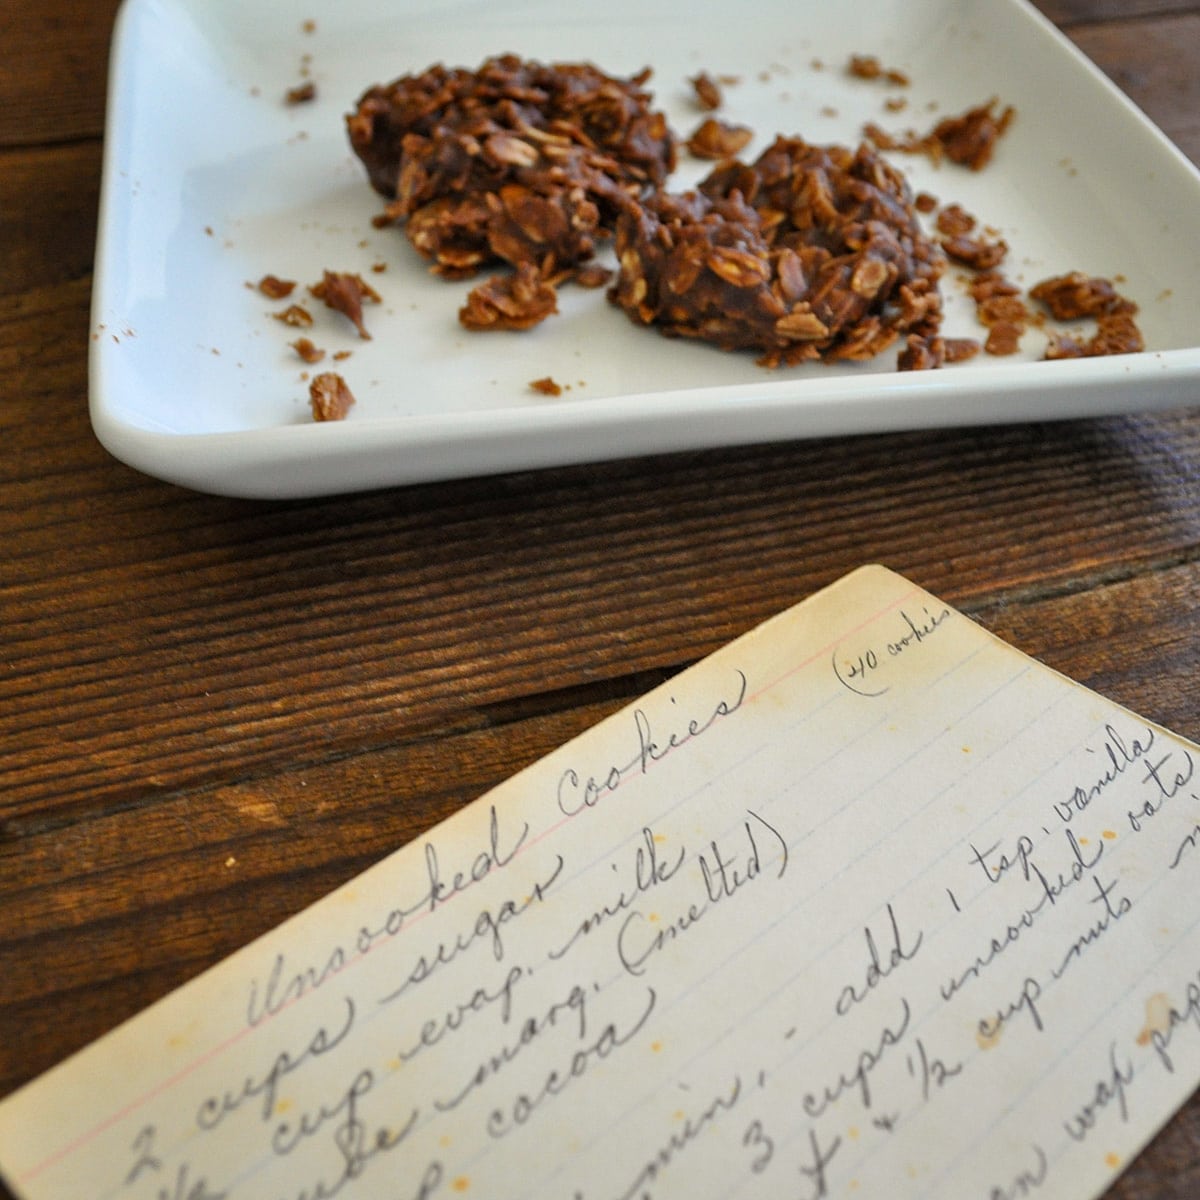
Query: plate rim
260, 462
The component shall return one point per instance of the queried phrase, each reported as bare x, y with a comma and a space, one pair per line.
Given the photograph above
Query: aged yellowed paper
867, 903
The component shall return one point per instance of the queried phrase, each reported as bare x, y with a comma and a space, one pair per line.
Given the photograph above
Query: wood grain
361, 621
1153, 62
49, 242
214, 711
1069, 13
55, 86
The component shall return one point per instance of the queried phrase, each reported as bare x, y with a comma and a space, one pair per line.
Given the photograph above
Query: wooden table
214, 711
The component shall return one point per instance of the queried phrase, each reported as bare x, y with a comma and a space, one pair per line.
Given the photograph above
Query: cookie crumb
296, 316
345, 293
713, 139
708, 94
968, 139
307, 351
276, 288
301, 94
330, 398
867, 66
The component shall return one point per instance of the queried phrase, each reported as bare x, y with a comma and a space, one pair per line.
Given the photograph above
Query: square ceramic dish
212, 181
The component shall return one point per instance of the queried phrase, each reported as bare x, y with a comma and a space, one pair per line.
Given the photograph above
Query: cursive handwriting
877, 971
357, 1144
819, 1159
1162, 1039
285, 986
1189, 842
857, 672
1119, 756
1108, 1090
1168, 781
481, 999
1026, 1000
533, 996
438, 890
571, 1009
488, 928
859, 1075
724, 875
652, 749
680, 1139
1026, 1180
576, 794
502, 1121
265, 1086
1112, 914
350, 1129
177, 1185
933, 1071
634, 954
853, 673
996, 946
484, 863
995, 867
649, 872
183, 1186
1029, 993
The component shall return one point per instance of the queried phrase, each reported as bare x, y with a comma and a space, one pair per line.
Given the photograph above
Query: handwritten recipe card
868, 903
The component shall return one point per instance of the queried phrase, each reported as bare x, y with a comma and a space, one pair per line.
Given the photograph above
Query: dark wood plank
1169, 1168
325, 627
1066, 13
1154, 62
48, 203
58, 92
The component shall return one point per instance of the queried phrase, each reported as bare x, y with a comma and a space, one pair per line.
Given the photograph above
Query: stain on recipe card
867, 903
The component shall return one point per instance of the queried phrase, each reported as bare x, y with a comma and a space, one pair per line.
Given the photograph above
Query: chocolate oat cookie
515, 162
811, 252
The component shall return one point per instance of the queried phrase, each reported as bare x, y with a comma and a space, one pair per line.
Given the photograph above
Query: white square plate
212, 181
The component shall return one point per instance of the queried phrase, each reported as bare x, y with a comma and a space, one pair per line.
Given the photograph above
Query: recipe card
867, 903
